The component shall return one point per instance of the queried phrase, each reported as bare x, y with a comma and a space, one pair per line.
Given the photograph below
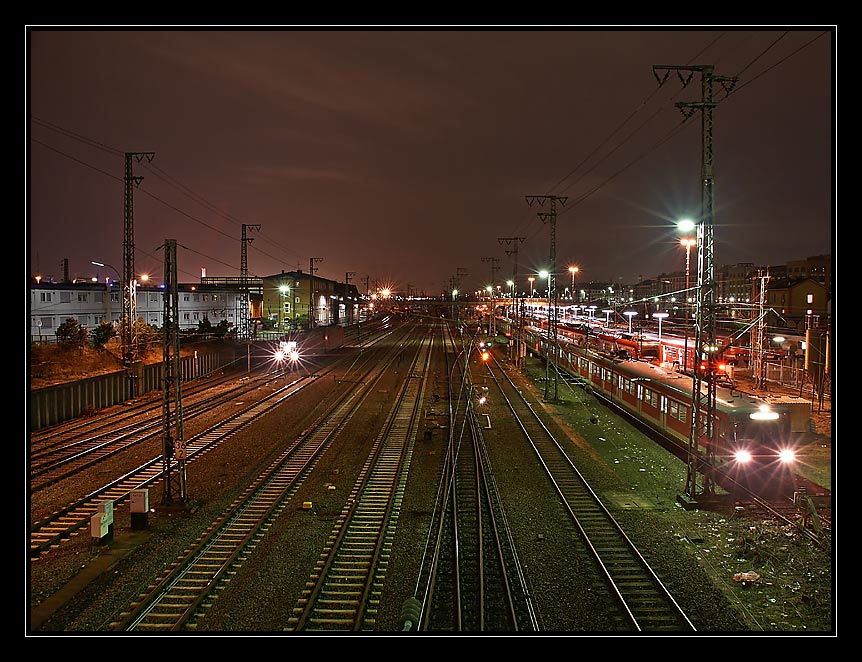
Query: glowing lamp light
486, 355
787, 456
764, 414
743, 457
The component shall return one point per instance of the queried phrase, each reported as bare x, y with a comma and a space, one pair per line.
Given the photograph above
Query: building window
65, 297
45, 297
809, 299
82, 297
47, 322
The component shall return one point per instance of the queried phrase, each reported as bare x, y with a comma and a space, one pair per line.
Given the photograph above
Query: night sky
405, 154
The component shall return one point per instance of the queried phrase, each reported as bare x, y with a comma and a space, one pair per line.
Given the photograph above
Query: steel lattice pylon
174, 444
702, 437
130, 314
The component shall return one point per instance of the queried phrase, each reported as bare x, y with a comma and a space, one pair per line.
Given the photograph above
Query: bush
71, 334
102, 334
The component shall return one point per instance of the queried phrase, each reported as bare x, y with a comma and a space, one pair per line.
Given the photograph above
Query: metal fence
54, 404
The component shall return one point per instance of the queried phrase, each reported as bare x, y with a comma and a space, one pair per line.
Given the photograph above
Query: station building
279, 303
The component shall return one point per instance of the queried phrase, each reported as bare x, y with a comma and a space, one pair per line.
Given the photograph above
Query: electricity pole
758, 364
173, 441
703, 432
516, 313
347, 276
130, 313
311, 305
552, 282
243, 330
460, 272
492, 319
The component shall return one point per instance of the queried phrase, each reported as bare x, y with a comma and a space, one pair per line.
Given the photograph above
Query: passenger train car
754, 443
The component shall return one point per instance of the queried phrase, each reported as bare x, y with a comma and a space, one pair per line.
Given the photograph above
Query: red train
754, 442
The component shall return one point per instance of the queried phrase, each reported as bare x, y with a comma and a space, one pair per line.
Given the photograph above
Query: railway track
67, 522
470, 579
344, 591
644, 604
54, 458
181, 595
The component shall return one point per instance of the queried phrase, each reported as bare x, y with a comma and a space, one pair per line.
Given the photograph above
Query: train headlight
764, 414
742, 456
279, 355
787, 456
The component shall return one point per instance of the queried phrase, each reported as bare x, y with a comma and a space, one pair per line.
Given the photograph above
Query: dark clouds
404, 155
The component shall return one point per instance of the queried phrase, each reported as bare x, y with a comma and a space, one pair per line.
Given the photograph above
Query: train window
650, 397
678, 411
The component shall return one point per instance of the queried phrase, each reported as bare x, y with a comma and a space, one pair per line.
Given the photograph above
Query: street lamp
547, 276
492, 312
607, 312
102, 264
659, 317
687, 226
687, 243
574, 272
532, 291
630, 314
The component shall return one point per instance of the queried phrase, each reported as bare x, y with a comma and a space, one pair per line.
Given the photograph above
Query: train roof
729, 400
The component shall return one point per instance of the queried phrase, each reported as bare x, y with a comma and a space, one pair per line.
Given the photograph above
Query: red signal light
486, 356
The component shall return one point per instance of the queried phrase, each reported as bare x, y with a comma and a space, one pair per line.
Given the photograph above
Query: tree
102, 334
71, 334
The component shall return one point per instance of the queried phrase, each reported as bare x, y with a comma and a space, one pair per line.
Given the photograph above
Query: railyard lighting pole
630, 314
659, 317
